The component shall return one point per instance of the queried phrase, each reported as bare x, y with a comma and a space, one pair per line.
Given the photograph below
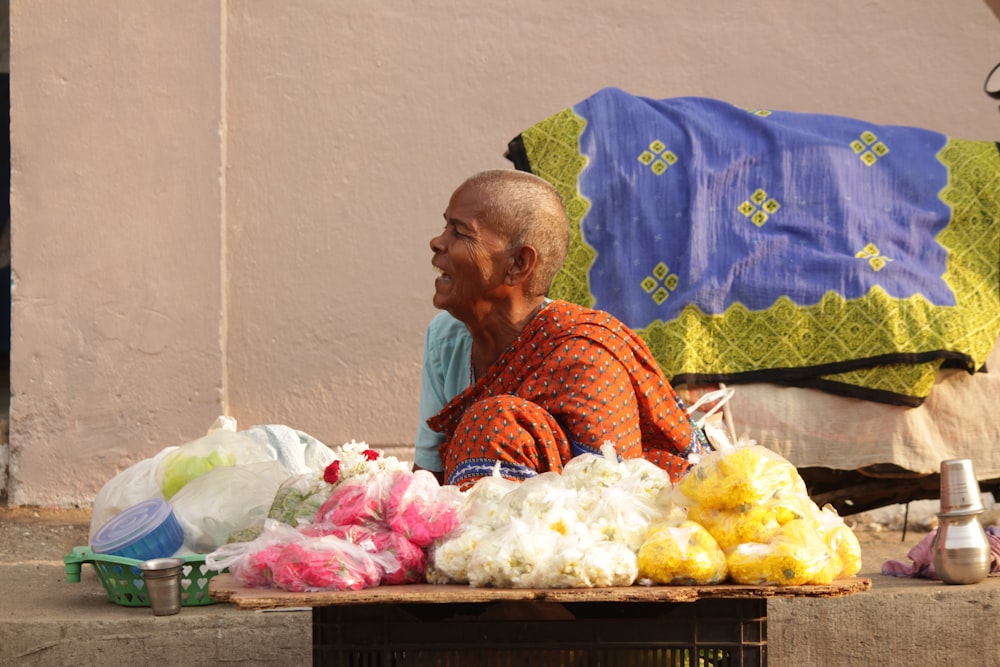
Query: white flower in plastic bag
621, 516
531, 498
581, 528
482, 501
643, 478
591, 471
510, 556
583, 562
610, 564
448, 559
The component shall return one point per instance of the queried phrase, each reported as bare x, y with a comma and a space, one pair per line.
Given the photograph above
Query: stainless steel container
162, 577
961, 549
960, 488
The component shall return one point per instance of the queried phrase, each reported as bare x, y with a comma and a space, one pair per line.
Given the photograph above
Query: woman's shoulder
574, 314
444, 326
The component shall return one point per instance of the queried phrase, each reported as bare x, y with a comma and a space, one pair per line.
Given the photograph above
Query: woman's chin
440, 300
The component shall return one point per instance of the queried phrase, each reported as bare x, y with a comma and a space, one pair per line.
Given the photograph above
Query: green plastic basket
123, 582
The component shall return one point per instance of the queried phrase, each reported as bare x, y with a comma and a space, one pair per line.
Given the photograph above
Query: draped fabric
755, 245
574, 380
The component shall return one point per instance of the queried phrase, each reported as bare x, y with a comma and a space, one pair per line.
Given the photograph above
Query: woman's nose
437, 244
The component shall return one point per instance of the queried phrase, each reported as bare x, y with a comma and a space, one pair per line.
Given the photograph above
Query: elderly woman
513, 378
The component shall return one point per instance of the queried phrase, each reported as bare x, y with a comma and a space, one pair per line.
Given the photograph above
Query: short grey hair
527, 210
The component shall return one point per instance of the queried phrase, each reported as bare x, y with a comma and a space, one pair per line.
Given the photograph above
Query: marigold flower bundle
755, 505
683, 554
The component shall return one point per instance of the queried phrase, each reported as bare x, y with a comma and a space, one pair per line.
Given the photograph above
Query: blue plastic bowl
144, 531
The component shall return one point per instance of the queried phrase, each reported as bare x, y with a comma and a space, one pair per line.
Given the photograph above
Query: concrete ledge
46, 621
900, 621
930, 625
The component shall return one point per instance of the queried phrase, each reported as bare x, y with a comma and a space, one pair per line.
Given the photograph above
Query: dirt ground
32, 533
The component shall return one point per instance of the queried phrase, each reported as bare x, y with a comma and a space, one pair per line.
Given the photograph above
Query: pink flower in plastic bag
412, 559
353, 502
254, 570
419, 509
325, 566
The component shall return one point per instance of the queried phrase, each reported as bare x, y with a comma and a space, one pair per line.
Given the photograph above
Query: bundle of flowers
681, 553
372, 526
755, 506
580, 528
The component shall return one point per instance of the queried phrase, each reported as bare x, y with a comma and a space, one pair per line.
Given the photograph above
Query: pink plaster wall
225, 207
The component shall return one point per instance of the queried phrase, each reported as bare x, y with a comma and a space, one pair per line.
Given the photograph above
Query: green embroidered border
834, 330
553, 149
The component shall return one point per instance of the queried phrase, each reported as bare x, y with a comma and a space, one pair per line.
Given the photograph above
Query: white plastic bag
135, 484
219, 448
224, 501
712, 414
298, 452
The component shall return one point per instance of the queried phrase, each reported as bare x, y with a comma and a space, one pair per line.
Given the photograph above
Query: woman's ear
523, 265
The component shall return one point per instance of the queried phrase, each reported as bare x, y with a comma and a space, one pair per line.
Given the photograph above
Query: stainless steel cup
163, 583
959, 488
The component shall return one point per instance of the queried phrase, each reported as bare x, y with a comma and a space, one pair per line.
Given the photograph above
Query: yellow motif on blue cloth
759, 207
657, 157
869, 148
875, 258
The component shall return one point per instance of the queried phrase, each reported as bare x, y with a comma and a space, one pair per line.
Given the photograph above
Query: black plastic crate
705, 633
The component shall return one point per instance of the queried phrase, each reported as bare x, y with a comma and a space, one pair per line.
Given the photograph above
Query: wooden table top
224, 587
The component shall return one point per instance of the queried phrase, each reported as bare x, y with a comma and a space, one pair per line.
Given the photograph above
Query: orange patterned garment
573, 380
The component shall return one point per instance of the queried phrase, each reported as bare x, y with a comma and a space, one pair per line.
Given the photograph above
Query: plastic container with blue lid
144, 531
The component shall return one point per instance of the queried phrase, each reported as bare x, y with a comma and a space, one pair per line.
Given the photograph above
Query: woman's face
471, 257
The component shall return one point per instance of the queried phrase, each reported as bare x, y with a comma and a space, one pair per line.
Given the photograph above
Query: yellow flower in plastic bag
681, 554
731, 527
789, 507
843, 544
739, 478
795, 556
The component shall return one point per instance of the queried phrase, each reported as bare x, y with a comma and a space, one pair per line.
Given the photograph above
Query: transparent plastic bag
219, 448
740, 477
448, 558
421, 509
684, 554
513, 556
299, 498
797, 555
250, 562
287, 558
845, 548
729, 527
581, 561
329, 563
620, 516
137, 483
482, 501
357, 501
224, 501
298, 452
